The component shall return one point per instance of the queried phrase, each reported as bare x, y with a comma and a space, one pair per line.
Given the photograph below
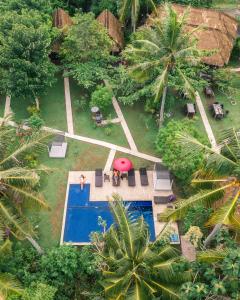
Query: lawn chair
143, 176
98, 178
131, 178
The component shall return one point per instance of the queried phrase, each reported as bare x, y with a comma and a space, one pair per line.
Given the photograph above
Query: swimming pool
82, 214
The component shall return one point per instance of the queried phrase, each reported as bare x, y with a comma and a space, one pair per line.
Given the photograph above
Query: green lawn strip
80, 156
2, 106
52, 105
142, 126
84, 125
178, 113
137, 162
232, 119
225, 3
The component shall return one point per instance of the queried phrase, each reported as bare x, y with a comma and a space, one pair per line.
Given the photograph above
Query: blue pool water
82, 214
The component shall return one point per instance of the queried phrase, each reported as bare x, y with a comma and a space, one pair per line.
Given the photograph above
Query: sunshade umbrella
122, 164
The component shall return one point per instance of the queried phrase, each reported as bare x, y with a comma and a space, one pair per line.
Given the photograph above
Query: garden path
7, 109
68, 106
110, 160
206, 123
122, 119
95, 142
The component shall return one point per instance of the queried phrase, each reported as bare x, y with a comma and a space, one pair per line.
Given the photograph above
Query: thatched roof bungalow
61, 19
114, 28
219, 31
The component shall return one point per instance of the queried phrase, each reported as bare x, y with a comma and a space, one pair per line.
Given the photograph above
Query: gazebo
114, 29
218, 33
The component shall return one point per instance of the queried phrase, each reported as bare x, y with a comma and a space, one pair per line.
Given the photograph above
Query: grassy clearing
84, 125
80, 156
225, 3
142, 126
2, 106
52, 106
232, 120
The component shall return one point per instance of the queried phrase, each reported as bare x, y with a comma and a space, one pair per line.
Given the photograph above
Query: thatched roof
219, 32
61, 19
114, 28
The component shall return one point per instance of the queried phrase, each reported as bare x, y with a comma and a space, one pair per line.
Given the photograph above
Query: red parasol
122, 164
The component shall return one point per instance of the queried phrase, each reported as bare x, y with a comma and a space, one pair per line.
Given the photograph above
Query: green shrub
101, 98
35, 121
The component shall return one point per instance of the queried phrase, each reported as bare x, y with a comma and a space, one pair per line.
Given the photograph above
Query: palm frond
203, 197
211, 256
9, 285
161, 83
223, 214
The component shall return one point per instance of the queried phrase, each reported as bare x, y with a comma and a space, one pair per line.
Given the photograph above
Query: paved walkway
7, 109
206, 123
109, 160
68, 105
96, 142
123, 121
188, 250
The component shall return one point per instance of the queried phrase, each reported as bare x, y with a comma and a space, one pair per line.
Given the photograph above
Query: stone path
112, 121
188, 250
68, 106
206, 123
110, 160
123, 121
7, 109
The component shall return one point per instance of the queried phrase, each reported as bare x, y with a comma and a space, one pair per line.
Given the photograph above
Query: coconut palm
219, 179
131, 268
17, 182
132, 7
8, 284
163, 51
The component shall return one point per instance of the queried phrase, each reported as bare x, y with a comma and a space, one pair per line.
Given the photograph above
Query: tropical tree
163, 51
131, 267
25, 44
219, 179
132, 8
8, 284
18, 184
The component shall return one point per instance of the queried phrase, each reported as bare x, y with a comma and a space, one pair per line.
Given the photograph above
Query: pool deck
137, 193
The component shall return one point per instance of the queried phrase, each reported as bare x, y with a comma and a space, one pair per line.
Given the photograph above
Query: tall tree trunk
35, 244
37, 103
212, 234
161, 114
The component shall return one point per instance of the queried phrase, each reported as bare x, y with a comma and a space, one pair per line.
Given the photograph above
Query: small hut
114, 28
61, 19
218, 33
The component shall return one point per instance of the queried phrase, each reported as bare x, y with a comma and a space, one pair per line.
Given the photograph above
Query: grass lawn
2, 106
80, 156
179, 114
84, 125
142, 127
232, 119
52, 106
225, 3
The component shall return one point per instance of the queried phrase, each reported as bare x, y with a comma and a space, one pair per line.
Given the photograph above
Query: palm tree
131, 267
219, 179
8, 284
134, 7
17, 182
163, 51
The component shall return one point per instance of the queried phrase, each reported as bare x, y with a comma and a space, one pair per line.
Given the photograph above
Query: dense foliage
86, 50
101, 98
25, 68
67, 271
171, 151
